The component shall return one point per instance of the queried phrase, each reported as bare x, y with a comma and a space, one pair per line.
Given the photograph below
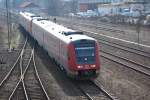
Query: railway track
93, 91
125, 48
10, 80
121, 26
134, 51
141, 68
21, 83
127, 63
101, 27
15, 79
30, 83
104, 28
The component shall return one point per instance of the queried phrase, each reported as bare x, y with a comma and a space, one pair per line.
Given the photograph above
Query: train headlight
93, 66
80, 66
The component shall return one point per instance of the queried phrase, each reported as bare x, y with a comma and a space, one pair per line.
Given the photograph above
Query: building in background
85, 5
115, 7
1, 3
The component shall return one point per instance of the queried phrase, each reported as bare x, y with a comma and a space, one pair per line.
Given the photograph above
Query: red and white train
75, 52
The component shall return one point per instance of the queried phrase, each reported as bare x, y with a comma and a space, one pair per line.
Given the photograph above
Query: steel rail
133, 68
100, 27
38, 77
8, 74
21, 80
123, 58
101, 89
104, 28
86, 94
103, 23
104, 91
141, 53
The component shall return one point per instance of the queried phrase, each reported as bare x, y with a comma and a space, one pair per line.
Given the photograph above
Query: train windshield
85, 52
71, 33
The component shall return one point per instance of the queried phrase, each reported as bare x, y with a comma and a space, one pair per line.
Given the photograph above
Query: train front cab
83, 59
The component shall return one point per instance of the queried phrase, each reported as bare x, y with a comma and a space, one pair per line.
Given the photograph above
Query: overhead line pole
8, 24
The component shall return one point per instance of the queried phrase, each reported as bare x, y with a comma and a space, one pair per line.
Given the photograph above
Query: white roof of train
58, 30
29, 16
26, 15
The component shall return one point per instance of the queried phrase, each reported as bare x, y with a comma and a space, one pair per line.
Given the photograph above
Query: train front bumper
83, 74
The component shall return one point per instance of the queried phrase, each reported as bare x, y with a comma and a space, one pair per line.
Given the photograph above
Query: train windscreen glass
72, 33
85, 52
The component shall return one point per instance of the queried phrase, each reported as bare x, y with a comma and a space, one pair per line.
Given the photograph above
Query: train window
85, 56
85, 52
35, 16
71, 33
40, 19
